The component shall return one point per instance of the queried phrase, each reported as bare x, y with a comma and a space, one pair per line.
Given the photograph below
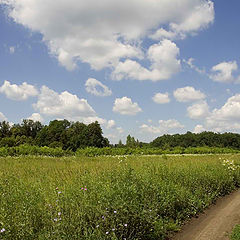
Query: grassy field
137, 197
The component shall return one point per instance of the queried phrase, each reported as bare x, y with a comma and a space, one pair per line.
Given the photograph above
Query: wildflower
113, 229
115, 211
125, 225
107, 232
85, 189
3, 230
59, 214
59, 192
55, 219
97, 226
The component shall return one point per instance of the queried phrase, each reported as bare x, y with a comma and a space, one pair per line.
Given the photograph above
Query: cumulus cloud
199, 128
101, 33
96, 88
63, 105
227, 117
198, 110
164, 63
200, 16
188, 94
165, 126
125, 106
110, 124
162, 33
223, 72
36, 117
66, 106
161, 98
2, 117
18, 92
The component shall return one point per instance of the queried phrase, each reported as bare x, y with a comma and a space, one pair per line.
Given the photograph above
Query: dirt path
216, 223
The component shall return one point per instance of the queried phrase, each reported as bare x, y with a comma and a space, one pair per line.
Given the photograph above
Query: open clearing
216, 223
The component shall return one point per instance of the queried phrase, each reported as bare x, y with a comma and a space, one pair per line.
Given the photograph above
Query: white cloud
161, 34
161, 98
223, 72
2, 117
101, 33
227, 117
36, 117
190, 63
200, 16
198, 110
18, 92
165, 126
110, 124
93, 85
12, 50
198, 129
164, 64
63, 105
188, 94
88, 120
115, 134
66, 106
125, 106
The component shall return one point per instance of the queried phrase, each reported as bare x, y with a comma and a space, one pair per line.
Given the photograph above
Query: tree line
73, 135
209, 139
59, 133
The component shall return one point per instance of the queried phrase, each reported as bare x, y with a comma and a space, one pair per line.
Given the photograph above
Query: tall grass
101, 198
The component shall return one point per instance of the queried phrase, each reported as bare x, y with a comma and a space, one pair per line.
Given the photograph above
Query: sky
139, 67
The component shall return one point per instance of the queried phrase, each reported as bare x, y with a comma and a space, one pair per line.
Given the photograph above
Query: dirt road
216, 223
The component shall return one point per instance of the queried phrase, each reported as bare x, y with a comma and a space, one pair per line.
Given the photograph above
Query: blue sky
144, 67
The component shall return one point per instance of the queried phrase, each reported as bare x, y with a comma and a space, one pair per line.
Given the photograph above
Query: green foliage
109, 197
108, 151
236, 233
33, 150
210, 139
58, 134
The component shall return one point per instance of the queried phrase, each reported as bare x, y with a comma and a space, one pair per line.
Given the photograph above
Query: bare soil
216, 223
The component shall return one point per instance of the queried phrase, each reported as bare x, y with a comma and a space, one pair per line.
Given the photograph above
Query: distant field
134, 197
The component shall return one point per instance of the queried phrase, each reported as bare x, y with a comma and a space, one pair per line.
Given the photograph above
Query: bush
24, 150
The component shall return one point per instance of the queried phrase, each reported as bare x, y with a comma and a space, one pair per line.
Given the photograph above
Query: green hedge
91, 151
24, 150
107, 151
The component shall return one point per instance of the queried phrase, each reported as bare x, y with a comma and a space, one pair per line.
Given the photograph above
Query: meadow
106, 197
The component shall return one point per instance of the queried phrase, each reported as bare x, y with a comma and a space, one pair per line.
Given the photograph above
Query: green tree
5, 129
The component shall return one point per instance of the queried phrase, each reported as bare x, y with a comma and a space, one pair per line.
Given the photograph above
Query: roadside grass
134, 197
235, 233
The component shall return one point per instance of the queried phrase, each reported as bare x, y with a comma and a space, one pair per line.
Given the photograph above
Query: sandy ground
216, 223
